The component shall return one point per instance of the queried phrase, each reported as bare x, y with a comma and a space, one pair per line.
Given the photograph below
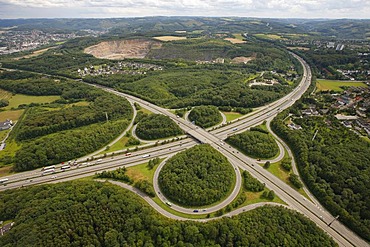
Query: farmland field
168, 38
19, 99
268, 36
12, 115
238, 39
323, 85
5, 94
235, 41
35, 53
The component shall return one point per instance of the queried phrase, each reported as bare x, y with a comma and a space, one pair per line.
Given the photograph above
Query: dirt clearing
120, 49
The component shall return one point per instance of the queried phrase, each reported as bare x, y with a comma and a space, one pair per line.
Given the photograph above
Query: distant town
12, 41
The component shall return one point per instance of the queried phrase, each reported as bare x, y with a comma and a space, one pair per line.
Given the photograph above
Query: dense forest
70, 127
255, 143
157, 126
205, 116
196, 177
335, 166
82, 213
197, 86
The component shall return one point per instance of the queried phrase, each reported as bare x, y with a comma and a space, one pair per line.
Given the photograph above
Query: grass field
238, 36
12, 115
283, 175
34, 53
230, 116
19, 99
3, 134
149, 112
268, 36
324, 85
142, 172
169, 38
5, 171
119, 145
299, 48
236, 40
10, 149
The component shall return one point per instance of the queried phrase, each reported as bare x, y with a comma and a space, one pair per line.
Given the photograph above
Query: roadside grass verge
277, 170
230, 116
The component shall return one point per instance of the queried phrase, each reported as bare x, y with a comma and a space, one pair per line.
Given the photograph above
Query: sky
358, 9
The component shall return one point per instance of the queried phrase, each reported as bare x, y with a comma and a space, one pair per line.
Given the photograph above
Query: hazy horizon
306, 9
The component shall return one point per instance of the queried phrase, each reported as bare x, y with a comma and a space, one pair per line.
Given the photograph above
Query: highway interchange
342, 235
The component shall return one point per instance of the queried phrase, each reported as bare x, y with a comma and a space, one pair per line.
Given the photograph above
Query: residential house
6, 125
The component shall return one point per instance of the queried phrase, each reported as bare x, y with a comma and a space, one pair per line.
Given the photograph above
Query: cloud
253, 8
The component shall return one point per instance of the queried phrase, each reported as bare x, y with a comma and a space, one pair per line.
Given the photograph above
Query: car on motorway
195, 210
3, 180
169, 204
235, 129
145, 156
127, 154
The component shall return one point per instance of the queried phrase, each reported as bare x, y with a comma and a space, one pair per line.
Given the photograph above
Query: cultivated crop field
13, 115
324, 85
237, 39
5, 94
168, 38
268, 36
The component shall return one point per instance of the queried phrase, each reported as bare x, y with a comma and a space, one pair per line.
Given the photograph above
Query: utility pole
333, 220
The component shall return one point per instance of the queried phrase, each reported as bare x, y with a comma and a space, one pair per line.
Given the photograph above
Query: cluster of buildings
217, 60
12, 41
337, 46
353, 74
128, 68
355, 100
351, 107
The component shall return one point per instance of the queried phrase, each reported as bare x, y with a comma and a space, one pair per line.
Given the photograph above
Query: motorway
342, 235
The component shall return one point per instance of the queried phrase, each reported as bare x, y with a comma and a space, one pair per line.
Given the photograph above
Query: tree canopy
156, 126
205, 116
335, 166
70, 127
255, 143
196, 177
86, 213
